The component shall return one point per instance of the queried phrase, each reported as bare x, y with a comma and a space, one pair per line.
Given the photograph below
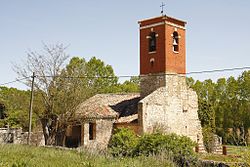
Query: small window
92, 131
152, 60
152, 42
175, 42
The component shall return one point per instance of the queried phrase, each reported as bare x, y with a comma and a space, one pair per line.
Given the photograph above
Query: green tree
132, 85
190, 81
232, 105
206, 100
220, 107
101, 77
15, 104
47, 65
224, 107
59, 88
206, 112
244, 91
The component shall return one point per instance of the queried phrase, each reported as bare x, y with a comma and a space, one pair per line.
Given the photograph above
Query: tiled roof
108, 106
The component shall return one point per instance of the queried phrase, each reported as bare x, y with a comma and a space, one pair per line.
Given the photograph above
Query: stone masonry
17, 136
104, 129
172, 106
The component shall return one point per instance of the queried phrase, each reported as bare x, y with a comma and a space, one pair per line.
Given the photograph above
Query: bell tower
162, 51
166, 99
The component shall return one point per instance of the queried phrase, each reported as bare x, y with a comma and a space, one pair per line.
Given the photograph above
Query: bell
174, 42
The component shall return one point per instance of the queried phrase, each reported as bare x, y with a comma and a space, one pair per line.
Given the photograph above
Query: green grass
237, 154
237, 150
29, 156
23, 155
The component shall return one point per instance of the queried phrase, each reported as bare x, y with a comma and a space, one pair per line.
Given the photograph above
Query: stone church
164, 101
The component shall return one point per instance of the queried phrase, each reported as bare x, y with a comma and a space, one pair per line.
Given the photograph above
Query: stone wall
104, 129
17, 136
149, 83
172, 106
5, 137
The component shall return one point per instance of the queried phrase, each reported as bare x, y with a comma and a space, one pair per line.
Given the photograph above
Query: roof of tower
160, 19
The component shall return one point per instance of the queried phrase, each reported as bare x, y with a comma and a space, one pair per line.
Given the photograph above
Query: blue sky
218, 34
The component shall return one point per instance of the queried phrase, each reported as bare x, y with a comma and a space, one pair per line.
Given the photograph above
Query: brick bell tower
162, 52
166, 100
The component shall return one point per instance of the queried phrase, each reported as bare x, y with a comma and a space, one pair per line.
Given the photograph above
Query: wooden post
224, 150
30, 109
82, 134
197, 148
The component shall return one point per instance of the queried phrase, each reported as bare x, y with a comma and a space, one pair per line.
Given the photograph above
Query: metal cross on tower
162, 7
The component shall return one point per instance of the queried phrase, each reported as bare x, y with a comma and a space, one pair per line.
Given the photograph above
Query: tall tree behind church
225, 105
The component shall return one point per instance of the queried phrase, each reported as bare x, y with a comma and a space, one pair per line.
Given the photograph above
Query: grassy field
237, 154
26, 156
23, 155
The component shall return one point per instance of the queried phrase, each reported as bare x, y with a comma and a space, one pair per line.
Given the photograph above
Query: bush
179, 147
123, 142
151, 144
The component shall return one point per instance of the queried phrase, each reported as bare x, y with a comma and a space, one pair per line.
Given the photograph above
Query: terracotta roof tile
108, 106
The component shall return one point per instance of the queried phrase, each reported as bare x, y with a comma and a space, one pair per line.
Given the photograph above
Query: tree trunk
243, 135
235, 136
61, 135
49, 126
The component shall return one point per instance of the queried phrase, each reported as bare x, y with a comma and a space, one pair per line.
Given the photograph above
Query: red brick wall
165, 60
175, 62
159, 55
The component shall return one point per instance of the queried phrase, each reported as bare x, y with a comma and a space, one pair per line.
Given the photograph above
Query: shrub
123, 142
179, 147
151, 144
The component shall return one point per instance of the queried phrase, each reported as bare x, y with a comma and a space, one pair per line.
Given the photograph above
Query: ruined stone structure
165, 101
17, 136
